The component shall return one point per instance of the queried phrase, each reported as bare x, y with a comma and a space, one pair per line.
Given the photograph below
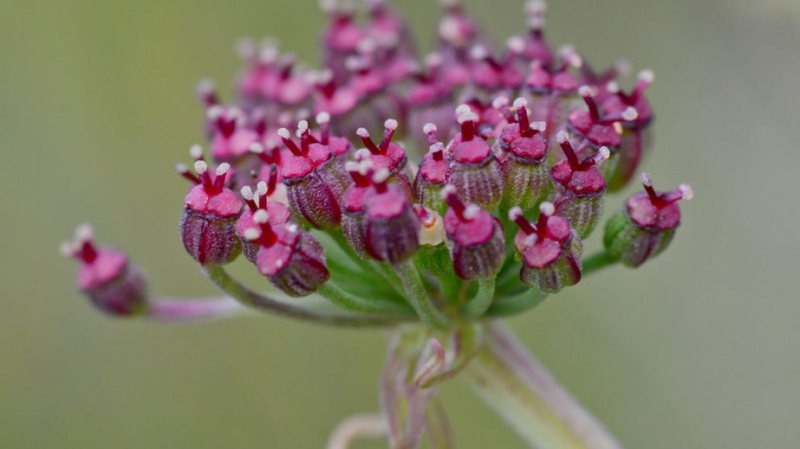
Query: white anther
562, 137
223, 169
585, 91
214, 112
181, 168
200, 167
463, 109
256, 147
471, 212
251, 234
205, 87
323, 118
612, 87
539, 126
302, 127
468, 117
622, 67
535, 7
478, 52
84, 233
67, 249
284, 133
436, 147
363, 133
355, 63
618, 128
270, 143
328, 6
364, 166
603, 153
351, 166
448, 190
647, 76
647, 181
196, 152
516, 44
261, 216
531, 239
381, 176
630, 113
429, 128
362, 154
547, 208
366, 46
514, 213
261, 188
520, 103
246, 48
686, 191
500, 102
247, 193
576, 61
292, 228
390, 124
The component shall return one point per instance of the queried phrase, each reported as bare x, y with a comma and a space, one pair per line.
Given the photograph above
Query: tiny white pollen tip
351, 166
223, 168
292, 228
429, 128
448, 190
262, 188
284, 133
256, 147
514, 213
520, 102
200, 167
630, 113
66, 249
462, 109
539, 126
604, 153
381, 175
251, 233
362, 154
500, 102
261, 216
390, 124
612, 87
687, 192
84, 233
436, 147
214, 112
364, 166
471, 211
196, 152
323, 118
181, 168
646, 180
247, 193
362, 132
562, 137
302, 125
647, 76
585, 91
547, 208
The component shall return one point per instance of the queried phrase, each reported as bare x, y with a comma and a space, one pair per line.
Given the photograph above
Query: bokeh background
699, 348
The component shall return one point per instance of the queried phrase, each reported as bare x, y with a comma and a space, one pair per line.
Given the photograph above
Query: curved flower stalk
426, 198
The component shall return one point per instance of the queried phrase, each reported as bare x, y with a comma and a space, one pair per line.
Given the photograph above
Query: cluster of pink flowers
491, 167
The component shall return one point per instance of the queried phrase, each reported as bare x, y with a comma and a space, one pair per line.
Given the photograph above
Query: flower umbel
425, 197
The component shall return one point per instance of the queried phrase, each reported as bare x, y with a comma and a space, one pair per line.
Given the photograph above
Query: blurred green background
700, 348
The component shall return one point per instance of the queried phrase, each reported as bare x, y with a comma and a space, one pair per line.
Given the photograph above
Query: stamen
588, 97
183, 170
196, 152
515, 215
286, 137
546, 209
569, 152
390, 125
471, 211
364, 135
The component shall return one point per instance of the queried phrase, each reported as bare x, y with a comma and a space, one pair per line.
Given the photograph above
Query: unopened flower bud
112, 283
391, 227
474, 170
208, 223
527, 180
292, 259
476, 238
579, 188
550, 250
646, 225
431, 178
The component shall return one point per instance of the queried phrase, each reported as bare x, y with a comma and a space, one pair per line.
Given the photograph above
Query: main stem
507, 377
